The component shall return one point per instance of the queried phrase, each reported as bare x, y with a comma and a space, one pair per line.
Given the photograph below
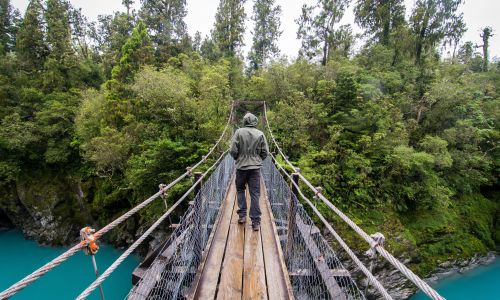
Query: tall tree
9, 19
110, 35
128, 4
466, 52
58, 30
137, 51
79, 31
487, 32
431, 20
380, 17
454, 34
229, 26
316, 27
266, 15
165, 21
30, 45
342, 41
61, 59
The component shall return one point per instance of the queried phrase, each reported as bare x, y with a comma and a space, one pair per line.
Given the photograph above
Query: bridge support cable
132, 247
35, 275
339, 239
421, 284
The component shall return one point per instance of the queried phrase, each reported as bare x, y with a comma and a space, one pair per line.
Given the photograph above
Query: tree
137, 51
266, 16
31, 47
197, 41
61, 59
9, 19
229, 26
165, 21
79, 31
128, 4
316, 27
380, 17
342, 41
110, 36
58, 30
431, 20
454, 34
487, 32
466, 52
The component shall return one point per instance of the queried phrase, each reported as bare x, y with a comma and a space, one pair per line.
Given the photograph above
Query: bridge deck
242, 263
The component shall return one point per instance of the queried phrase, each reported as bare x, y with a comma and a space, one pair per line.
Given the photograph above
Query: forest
402, 135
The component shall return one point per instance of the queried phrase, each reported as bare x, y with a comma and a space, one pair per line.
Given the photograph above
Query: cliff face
48, 209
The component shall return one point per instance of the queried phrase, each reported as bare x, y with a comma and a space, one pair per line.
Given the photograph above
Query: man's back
249, 146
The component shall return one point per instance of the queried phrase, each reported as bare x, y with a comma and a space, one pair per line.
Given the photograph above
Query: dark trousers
252, 178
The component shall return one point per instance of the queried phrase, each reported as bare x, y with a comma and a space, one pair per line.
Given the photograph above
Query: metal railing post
292, 211
197, 211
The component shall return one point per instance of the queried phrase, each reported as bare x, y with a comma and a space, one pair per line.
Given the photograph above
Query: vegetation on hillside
405, 139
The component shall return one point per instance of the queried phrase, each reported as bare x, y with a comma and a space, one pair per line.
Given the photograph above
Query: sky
201, 16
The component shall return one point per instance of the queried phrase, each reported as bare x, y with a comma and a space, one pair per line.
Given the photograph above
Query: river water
19, 257
481, 283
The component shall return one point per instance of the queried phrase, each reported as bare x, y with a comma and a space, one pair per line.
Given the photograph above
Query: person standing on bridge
249, 148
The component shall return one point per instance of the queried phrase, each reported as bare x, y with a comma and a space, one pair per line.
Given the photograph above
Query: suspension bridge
210, 256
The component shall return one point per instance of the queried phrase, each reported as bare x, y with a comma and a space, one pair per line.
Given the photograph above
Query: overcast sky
201, 14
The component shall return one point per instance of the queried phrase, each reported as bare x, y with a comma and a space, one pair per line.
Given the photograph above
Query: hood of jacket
249, 120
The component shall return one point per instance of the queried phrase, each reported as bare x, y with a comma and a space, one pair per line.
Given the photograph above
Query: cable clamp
162, 188
378, 240
89, 240
319, 190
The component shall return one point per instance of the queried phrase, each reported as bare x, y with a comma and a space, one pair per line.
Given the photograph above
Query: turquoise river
18, 257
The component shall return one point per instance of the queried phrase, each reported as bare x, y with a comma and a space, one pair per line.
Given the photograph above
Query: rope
422, 285
16, 287
353, 256
125, 254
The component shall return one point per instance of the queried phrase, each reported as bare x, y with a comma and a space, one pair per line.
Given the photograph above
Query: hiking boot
256, 226
242, 220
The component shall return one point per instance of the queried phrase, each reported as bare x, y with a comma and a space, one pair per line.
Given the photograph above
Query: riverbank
19, 257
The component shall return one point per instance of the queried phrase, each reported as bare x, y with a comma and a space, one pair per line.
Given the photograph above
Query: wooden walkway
241, 263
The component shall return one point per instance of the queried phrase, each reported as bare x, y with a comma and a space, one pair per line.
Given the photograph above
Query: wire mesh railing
315, 270
173, 271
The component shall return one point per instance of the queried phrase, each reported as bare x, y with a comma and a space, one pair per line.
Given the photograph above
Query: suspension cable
339, 239
35, 275
132, 247
422, 285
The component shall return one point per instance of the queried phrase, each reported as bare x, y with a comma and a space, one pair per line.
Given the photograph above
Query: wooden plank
324, 270
207, 286
231, 281
275, 278
278, 282
254, 276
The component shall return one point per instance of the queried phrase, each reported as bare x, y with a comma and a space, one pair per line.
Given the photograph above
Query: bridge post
197, 176
292, 211
197, 213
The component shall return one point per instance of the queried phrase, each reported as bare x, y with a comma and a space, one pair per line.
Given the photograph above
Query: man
249, 148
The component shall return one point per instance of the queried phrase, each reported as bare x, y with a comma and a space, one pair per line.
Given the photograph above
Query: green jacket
249, 146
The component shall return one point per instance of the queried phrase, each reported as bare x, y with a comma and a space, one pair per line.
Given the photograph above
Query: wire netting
173, 271
315, 270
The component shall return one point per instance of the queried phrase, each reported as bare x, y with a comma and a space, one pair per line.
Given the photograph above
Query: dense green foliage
403, 140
